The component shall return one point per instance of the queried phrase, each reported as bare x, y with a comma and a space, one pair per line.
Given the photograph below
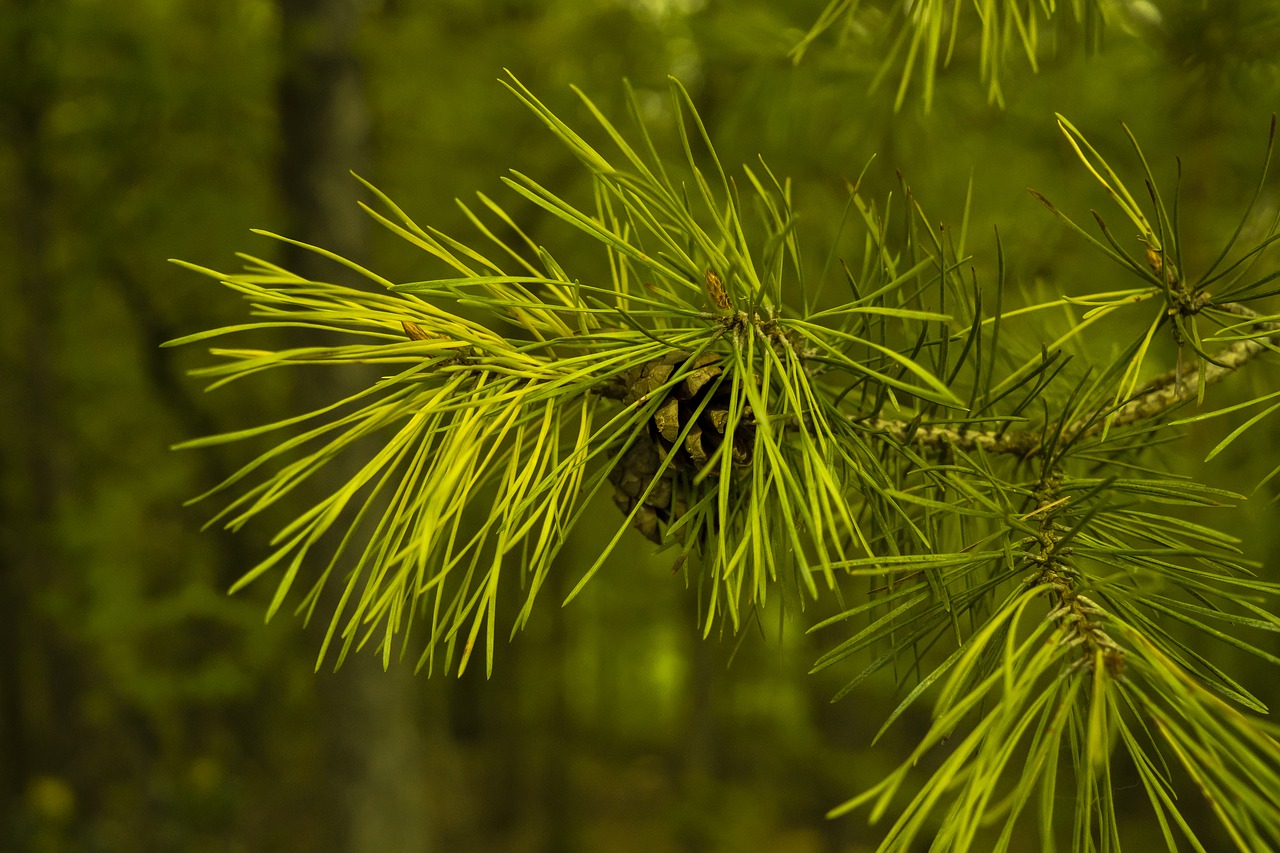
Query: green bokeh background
144, 709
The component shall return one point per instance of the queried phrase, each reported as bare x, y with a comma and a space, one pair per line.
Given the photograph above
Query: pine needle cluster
1024, 556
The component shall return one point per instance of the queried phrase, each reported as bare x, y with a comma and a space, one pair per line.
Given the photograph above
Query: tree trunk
377, 783
33, 476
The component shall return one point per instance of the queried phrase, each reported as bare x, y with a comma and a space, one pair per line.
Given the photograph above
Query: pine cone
638, 466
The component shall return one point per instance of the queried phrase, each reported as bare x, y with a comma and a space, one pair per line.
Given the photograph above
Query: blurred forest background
141, 708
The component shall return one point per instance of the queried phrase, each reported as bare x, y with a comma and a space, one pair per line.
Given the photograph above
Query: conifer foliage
1020, 540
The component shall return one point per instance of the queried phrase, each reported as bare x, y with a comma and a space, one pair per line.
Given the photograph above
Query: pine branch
1080, 618
925, 35
700, 378
1160, 394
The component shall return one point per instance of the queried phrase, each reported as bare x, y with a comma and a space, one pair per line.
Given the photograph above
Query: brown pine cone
640, 463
